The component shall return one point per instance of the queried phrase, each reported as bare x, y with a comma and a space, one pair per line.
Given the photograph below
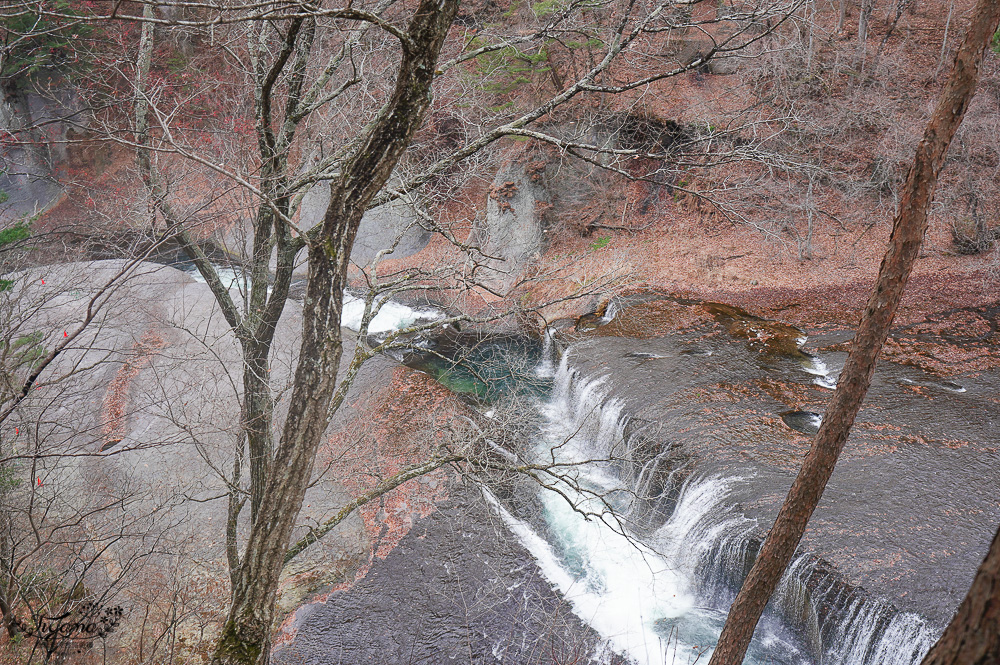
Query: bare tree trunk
7, 615
246, 636
257, 417
864, 18
810, 53
973, 636
904, 247
901, 6
6, 578
944, 40
842, 18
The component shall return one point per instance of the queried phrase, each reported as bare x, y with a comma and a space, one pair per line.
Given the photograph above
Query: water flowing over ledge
657, 563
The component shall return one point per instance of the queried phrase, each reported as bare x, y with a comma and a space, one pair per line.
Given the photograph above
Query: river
673, 452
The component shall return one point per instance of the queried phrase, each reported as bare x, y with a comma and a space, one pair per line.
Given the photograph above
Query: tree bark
6, 577
908, 231
973, 636
864, 17
246, 636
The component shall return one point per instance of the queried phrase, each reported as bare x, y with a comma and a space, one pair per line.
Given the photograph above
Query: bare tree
72, 534
339, 99
908, 232
290, 97
864, 18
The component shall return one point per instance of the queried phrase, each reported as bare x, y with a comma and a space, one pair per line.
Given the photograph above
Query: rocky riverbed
714, 392
912, 506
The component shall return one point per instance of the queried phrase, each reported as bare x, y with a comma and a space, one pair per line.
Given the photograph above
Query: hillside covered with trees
497, 332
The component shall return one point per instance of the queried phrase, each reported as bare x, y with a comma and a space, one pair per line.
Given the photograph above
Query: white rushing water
546, 369
818, 368
638, 596
648, 596
231, 278
610, 311
391, 315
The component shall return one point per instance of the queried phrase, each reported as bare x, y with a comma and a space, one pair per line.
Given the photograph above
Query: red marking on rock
116, 396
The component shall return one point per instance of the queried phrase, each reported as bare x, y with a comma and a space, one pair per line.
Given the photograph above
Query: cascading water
657, 592
817, 367
231, 277
390, 315
546, 369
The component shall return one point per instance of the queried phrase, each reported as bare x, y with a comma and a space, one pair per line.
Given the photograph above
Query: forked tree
294, 83
333, 97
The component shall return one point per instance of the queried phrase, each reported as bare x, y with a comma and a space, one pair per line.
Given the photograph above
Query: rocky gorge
689, 433
577, 382
683, 420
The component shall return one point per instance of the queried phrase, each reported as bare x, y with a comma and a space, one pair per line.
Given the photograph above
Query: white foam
391, 315
620, 586
819, 369
624, 589
231, 278
631, 591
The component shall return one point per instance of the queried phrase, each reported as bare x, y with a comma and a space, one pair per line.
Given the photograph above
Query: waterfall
546, 368
815, 365
651, 554
610, 311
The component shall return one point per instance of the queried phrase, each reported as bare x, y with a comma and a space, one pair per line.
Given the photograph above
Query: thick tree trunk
7, 615
257, 417
246, 636
904, 246
973, 636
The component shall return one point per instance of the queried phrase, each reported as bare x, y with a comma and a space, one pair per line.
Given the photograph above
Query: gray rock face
393, 226
146, 405
29, 172
455, 590
512, 233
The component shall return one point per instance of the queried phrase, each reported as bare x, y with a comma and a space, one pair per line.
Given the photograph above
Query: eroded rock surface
512, 233
148, 412
912, 505
457, 589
